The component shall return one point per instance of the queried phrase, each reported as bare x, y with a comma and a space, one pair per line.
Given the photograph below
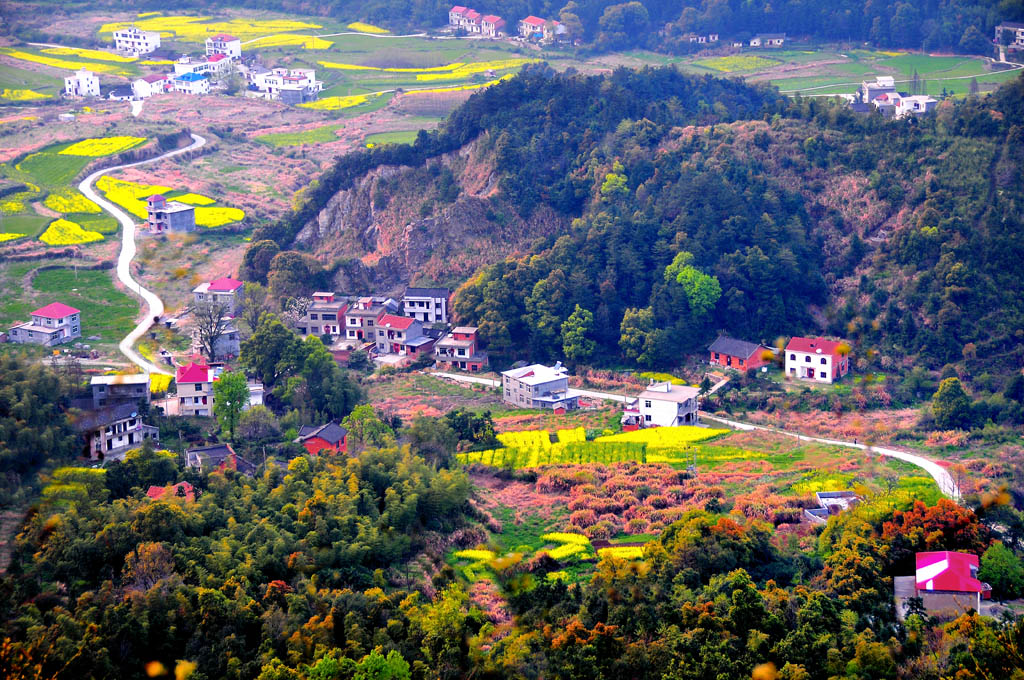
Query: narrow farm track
941, 476
153, 307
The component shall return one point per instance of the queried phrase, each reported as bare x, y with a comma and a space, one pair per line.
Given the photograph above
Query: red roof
947, 570
156, 198
55, 310
492, 18
812, 345
171, 491
533, 21
472, 14
223, 37
394, 321
216, 57
224, 284
193, 373
457, 9
154, 78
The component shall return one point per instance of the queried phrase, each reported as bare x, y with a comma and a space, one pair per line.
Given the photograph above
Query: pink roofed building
403, 336
171, 491
492, 25
817, 359
223, 291
224, 45
948, 582
54, 324
195, 389
531, 27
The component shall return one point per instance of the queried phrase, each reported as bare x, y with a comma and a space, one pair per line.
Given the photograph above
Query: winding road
941, 476
154, 307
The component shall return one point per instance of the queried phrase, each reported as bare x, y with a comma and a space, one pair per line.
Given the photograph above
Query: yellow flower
23, 95
9, 237
336, 103
632, 552
195, 199
88, 54
308, 42
366, 28
198, 29
61, 63
215, 217
102, 146
68, 200
158, 382
63, 233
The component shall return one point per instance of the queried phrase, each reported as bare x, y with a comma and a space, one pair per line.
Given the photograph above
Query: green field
106, 311
397, 137
13, 78
30, 225
327, 133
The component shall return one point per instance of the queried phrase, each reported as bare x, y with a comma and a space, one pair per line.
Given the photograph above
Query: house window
807, 359
313, 317
647, 418
823, 361
792, 357
647, 403
380, 334
716, 356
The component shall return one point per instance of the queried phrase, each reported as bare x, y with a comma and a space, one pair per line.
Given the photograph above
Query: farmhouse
1011, 34
82, 83
191, 83
54, 324
224, 44
195, 389
179, 490
121, 93
738, 354
329, 438
223, 291
114, 430
830, 503
460, 349
947, 582
169, 216
913, 105
429, 305
402, 335
292, 86
147, 86
325, 316
218, 457
361, 317
817, 359
531, 27
872, 90
133, 41
111, 390
768, 40
492, 25
538, 386
662, 404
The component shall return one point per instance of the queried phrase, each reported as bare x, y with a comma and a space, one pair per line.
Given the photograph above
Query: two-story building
325, 316
738, 354
403, 336
662, 404
362, 316
54, 324
225, 44
531, 28
224, 291
460, 349
114, 430
1011, 34
165, 216
147, 86
82, 83
192, 83
291, 86
492, 26
112, 390
195, 389
538, 386
429, 305
131, 40
817, 359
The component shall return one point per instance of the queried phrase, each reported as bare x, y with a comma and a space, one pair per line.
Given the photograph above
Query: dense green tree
230, 397
951, 406
433, 440
366, 428
1003, 570
577, 343
271, 352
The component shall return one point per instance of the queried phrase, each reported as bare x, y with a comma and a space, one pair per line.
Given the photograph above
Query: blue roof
191, 77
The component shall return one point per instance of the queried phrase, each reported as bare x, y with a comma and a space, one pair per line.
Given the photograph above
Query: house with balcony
223, 291
82, 83
662, 404
54, 324
403, 336
227, 45
429, 305
291, 86
325, 316
492, 26
112, 390
362, 316
817, 359
192, 83
195, 389
460, 350
538, 386
132, 40
114, 430
163, 216
1011, 34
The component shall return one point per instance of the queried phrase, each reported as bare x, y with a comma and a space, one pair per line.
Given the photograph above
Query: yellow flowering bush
195, 199
158, 382
88, 54
631, 552
366, 28
12, 206
564, 537
557, 576
23, 95
475, 555
575, 435
565, 551
98, 147
9, 237
68, 200
64, 233
216, 217
60, 63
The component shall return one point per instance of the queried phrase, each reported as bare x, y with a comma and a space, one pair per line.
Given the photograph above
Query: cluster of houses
1011, 35
816, 360
471, 21
881, 95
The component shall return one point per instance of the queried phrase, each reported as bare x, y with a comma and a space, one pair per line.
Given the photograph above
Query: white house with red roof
223, 291
492, 25
817, 359
225, 44
147, 86
195, 389
531, 27
455, 15
948, 582
54, 324
402, 335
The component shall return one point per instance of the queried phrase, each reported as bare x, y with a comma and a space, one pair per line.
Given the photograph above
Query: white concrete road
937, 472
154, 307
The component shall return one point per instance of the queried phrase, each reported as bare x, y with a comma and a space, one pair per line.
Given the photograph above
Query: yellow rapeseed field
158, 382
308, 42
335, 103
469, 70
98, 147
664, 437
457, 88
198, 29
128, 194
366, 28
68, 200
734, 63
630, 552
60, 63
23, 95
65, 233
216, 217
195, 199
88, 54
341, 66
156, 62
9, 237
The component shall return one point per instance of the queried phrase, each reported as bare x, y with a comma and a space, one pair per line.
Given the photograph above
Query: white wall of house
83, 83
809, 366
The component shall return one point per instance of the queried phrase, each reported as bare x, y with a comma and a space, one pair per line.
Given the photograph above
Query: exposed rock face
435, 224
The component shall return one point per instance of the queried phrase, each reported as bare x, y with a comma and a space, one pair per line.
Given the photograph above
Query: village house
738, 354
913, 105
195, 389
872, 90
460, 349
531, 28
192, 83
169, 216
1012, 34
54, 324
429, 305
147, 86
227, 45
492, 25
219, 457
768, 40
182, 490
817, 359
223, 291
538, 386
319, 439
947, 583
111, 390
325, 316
114, 430
403, 336
830, 503
469, 21
131, 40
662, 404
291, 86
455, 15
121, 93
82, 83
361, 317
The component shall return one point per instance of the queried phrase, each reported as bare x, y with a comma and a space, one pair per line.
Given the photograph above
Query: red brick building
323, 439
460, 350
738, 354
